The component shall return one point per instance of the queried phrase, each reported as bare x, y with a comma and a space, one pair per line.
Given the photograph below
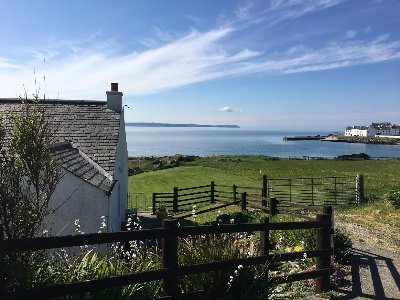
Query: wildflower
240, 267
232, 221
298, 248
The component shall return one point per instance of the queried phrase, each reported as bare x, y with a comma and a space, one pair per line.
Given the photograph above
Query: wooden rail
334, 190
171, 270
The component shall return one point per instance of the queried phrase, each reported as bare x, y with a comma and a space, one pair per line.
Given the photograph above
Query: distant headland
143, 124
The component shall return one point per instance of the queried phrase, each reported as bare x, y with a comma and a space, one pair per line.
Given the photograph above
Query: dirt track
374, 266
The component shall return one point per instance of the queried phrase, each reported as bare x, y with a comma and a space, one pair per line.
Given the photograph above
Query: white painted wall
119, 195
74, 199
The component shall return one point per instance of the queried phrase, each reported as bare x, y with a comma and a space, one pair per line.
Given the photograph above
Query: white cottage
91, 150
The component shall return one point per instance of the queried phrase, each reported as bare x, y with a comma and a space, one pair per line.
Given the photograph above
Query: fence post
175, 200
212, 192
290, 190
335, 195
264, 202
264, 237
264, 243
264, 191
323, 261
154, 203
244, 201
360, 189
328, 210
273, 210
312, 191
170, 258
234, 191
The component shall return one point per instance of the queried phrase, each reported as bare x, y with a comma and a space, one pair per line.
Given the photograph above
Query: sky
259, 64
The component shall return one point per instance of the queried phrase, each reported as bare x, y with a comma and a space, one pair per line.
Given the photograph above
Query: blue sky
275, 64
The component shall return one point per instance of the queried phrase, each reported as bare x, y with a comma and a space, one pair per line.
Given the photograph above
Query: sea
160, 141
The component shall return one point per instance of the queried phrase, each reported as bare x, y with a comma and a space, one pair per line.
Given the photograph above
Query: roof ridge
53, 101
93, 163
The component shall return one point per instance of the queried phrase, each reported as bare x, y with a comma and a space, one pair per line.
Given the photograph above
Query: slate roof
79, 164
87, 125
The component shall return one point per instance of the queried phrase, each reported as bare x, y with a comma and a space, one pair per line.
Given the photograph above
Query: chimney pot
114, 98
114, 87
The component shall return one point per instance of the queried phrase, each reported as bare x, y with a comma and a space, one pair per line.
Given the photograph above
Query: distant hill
142, 124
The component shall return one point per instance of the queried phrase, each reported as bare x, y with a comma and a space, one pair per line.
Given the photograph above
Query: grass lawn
380, 176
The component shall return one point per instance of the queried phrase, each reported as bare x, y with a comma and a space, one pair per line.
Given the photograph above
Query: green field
381, 176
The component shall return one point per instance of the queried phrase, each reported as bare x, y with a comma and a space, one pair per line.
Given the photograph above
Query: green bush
342, 245
393, 197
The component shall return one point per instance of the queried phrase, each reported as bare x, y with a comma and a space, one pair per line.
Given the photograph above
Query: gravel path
374, 266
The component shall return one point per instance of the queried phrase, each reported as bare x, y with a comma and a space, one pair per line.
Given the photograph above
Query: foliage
247, 216
342, 245
161, 207
393, 197
227, 284
28, 177
89, 263
137, 165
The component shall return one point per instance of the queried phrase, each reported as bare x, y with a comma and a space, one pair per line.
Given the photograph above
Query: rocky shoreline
362, 140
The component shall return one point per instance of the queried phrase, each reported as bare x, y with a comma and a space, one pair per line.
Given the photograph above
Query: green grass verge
380, 176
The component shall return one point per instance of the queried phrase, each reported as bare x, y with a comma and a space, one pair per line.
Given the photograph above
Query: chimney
114, 98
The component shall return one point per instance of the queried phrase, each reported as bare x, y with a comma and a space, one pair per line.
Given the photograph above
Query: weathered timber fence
185, 198
171, 270
334, 190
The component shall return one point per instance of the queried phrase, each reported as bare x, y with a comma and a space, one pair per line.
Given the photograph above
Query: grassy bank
381, 176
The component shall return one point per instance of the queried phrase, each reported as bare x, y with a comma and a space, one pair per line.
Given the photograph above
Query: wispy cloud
226, 109
84, 72
350, 34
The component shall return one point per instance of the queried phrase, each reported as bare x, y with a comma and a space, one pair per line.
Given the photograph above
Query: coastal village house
91, 151
384, 129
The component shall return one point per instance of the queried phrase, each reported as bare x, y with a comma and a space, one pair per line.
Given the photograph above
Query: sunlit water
214, 141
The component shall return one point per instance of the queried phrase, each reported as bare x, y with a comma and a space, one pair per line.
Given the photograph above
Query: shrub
342, 244
393, 197
244, 216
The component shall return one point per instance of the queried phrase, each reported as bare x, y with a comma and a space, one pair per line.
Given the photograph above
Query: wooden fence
171, 270
334, 190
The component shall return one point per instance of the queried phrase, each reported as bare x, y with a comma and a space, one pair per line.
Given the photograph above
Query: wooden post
312, 191
212, 192
328, 210
234, 191
273, 210
264, 243
170, 258
244, 201
360, 189
335, 195
264, 191
264, 237
264, 202
154, 203
290, 190
175, 200
323, 261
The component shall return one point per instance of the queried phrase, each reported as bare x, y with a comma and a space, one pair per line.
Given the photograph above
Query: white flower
240, 267
232, 221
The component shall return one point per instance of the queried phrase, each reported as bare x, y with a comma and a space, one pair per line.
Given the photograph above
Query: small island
143, 124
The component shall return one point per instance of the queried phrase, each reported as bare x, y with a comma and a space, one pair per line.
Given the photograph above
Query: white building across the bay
385, 129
